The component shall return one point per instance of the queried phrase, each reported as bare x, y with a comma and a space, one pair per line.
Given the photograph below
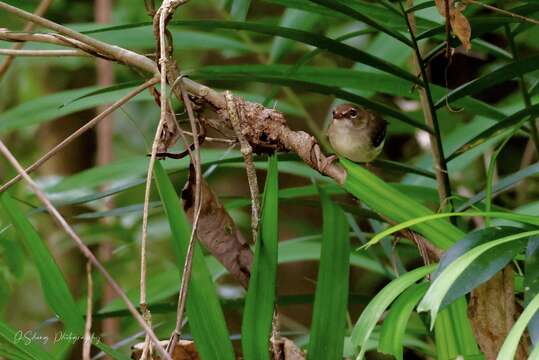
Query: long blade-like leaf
497, 76
260, 299
206, 318
441, 285
372, 313
330, 304
53, 283
386, 200
394, 326
24, 348
510, 344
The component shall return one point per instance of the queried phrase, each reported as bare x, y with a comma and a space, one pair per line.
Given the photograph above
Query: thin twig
42, 53
186, 274
501, 11
83, 248
87, 342
429, 112
123, 55
40, 11
81, 130
247, 152
447, 30
149, 175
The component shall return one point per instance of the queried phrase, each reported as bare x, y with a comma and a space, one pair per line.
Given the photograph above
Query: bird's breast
354, 145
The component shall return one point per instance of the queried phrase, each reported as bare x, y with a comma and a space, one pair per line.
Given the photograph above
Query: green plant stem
525, 94
429, 111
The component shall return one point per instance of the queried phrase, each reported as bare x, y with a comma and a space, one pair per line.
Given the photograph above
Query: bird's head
351, 116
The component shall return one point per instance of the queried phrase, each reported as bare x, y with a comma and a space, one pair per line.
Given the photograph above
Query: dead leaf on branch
459, 23
184, 350
217, 231
288, 350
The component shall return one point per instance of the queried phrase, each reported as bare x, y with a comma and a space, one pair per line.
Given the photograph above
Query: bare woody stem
40, 11
83, 248
429, 112
125, 56
42, 53
247, 152
86, 345
90, 124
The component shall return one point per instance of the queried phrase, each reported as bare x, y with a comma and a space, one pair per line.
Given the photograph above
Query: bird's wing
378, 131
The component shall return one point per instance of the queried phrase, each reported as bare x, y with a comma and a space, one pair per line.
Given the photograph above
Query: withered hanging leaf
461, 27
287, 350
184, 350
459, 24
440, 5
217, 231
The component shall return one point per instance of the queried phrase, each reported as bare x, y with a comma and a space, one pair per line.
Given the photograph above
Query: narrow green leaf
306, 37
53, 283
49, 107
26, 350
455, 338
296, 19
510, 344
239, 9
345, 7
206, 318
260, 298
313, 85
331, 297
502, 184
386, 200
441, 285
513, 120
374, 310
531, 285
503, 73
485, 266
394, 326
528, 219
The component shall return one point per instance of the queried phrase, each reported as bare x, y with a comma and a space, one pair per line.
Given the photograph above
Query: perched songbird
356, 133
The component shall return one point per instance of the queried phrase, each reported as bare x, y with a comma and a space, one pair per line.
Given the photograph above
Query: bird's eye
353, 113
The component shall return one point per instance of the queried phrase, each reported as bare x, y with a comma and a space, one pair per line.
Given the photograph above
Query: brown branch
42, 53
40, 11
87, 342
80, 131
83, 248
247, 152
125, 56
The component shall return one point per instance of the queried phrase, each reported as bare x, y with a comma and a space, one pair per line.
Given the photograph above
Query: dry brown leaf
440, 5
217, 231
184, 350
461, 27
288, 350
459, 24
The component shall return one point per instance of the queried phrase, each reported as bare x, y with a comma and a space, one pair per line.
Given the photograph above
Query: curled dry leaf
217, 231
184, 350
459, 23
288, 350
461, 26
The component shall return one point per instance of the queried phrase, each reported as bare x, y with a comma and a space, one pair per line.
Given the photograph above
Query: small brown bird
356, 133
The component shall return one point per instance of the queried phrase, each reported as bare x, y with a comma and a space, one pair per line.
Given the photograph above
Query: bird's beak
337, 115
